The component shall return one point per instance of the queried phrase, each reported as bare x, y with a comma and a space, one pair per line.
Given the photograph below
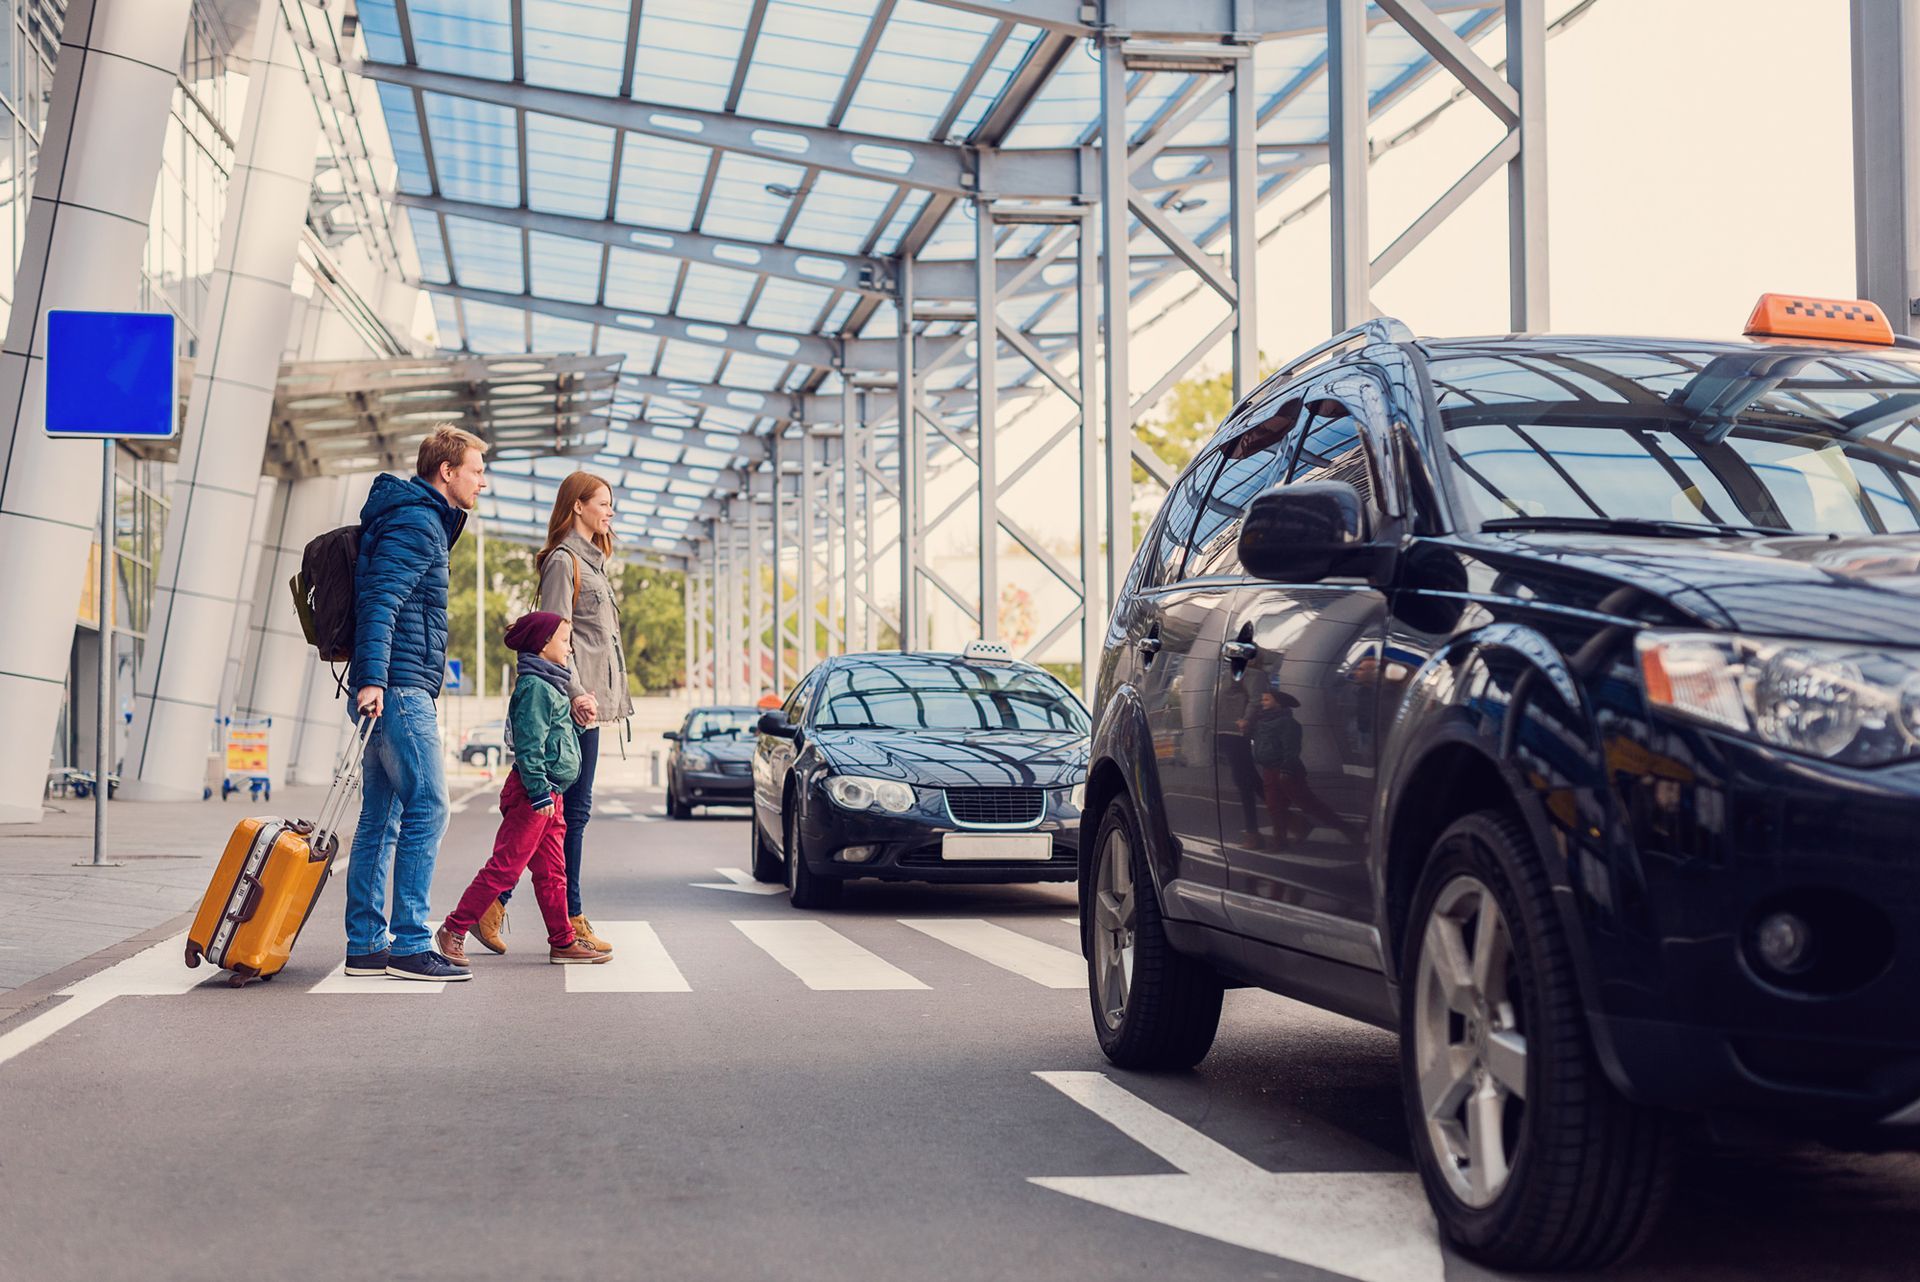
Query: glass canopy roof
713, 272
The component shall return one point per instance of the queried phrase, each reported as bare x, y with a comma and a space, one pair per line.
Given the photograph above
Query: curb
25, 999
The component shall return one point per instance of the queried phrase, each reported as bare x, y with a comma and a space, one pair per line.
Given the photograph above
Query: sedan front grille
996, 807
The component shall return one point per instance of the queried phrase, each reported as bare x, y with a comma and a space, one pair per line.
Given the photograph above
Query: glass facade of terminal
183, 236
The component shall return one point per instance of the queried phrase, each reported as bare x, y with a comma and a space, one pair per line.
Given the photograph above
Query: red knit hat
531, 632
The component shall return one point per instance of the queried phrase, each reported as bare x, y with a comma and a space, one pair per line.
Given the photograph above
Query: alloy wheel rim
1114, 910
1470, 1049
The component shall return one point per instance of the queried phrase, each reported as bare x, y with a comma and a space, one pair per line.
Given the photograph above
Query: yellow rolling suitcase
269, 879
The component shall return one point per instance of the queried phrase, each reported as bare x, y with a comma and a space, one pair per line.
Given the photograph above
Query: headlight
1075, 798
1857, 705
857, 792
694, 759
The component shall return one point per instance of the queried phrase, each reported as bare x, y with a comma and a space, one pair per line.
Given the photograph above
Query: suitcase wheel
236, 980
193, 954
268, 979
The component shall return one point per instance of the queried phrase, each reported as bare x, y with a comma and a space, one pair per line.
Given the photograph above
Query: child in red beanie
533, 826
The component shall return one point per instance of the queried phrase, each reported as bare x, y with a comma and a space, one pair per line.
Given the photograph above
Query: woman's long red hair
577, 488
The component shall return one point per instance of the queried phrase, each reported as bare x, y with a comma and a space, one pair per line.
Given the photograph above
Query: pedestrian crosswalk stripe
640, 963
1007, 949
823, 958
614, 806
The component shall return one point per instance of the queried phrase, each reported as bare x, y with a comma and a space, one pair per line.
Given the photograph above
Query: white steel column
198, 589
1243, 200
85, 239
713, 632
987, 390
850, 582
756, 602
1094, 606
912, 477
804, 545
1527, 171
1347, 177
1115, 292
775, 462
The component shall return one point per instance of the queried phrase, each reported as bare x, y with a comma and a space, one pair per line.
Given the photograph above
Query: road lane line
823, 958
159, 971
739, 879
1009, 950
640, 963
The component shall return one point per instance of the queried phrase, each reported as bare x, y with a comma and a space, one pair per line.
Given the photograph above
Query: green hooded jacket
546, 745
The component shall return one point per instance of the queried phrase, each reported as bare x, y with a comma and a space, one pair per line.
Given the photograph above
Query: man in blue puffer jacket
399, 654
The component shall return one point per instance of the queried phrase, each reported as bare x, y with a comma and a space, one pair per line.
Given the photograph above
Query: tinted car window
1827, 445
1174, 530
1332, 449
1255, 461
722, 723
947, 695
797, 702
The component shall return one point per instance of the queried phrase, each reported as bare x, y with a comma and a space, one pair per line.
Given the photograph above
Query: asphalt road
756, 1093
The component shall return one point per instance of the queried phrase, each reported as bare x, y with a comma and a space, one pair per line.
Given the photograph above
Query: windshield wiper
1628, 525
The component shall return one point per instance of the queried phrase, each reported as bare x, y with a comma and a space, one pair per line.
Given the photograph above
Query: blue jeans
403, 813
577, 803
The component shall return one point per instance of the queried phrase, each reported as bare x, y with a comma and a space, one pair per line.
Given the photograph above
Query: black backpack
323, 592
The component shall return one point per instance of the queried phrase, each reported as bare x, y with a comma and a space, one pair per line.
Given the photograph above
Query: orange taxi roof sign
1845, 320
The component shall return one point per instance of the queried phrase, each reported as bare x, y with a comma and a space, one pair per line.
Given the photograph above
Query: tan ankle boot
583, 931
487, 929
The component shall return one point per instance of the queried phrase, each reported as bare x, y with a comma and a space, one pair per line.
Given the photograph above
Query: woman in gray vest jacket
574, 585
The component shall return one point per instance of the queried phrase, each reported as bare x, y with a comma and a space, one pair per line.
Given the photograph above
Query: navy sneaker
364, 964
428, 965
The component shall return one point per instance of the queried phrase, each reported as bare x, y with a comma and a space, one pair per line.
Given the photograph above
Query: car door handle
1148, 646
1239, 651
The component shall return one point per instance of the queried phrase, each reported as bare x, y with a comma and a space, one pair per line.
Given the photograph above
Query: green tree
511, 589
1190, 412
653, 620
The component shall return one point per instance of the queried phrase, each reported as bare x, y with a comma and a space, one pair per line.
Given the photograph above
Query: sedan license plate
997, 847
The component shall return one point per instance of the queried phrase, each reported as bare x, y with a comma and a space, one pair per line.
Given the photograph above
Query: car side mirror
1307, 532
776, 724
671, 736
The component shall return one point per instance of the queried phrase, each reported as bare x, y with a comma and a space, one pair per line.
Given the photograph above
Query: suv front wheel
1152, 1007
1530, 1157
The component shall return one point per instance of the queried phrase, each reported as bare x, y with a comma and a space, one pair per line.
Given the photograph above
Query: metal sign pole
103, 604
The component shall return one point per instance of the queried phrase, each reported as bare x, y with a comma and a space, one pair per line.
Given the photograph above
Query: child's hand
544, 804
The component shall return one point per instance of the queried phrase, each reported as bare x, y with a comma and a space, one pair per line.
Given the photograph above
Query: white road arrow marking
741, 880
1370, 1226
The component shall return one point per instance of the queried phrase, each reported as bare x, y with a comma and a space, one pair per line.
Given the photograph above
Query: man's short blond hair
446, 444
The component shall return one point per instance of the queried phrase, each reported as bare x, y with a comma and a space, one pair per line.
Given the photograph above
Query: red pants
528, 837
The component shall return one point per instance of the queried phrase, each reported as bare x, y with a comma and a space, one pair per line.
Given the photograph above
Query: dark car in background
919, 767
486, 744
711, 761
1555, 702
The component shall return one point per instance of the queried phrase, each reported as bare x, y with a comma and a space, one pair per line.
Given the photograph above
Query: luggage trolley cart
247, 758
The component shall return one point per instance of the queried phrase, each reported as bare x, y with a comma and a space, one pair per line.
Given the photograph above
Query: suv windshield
1674, 441
731, 723
949, 695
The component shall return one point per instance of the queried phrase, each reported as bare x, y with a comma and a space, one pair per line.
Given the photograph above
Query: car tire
676, 808
805, 888
1156, 1008
1582, 1173
765, 864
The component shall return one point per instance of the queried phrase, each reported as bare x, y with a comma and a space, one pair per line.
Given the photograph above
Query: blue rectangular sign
111, 374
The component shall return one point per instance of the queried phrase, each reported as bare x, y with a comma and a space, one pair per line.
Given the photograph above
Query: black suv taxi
1553, 701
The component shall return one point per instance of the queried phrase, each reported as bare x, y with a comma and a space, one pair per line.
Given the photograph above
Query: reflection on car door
773, 758
1173, 632
1299, 689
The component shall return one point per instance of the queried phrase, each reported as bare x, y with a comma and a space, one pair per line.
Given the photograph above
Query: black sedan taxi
711, 763
1555, 701
919, 767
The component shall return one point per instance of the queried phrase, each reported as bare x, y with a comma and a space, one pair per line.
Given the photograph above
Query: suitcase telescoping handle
346, 782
